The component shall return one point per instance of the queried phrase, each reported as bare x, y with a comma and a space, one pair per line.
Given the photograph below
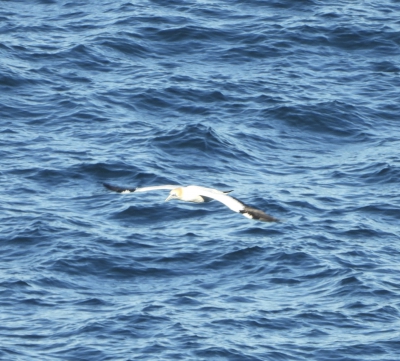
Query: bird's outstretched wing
239, 207
143, 189
221, 196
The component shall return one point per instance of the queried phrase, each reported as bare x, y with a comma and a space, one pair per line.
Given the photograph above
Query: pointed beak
168, 198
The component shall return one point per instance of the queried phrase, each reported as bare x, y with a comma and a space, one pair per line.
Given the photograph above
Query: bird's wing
143, 189
237, 206
155, 188
200, 189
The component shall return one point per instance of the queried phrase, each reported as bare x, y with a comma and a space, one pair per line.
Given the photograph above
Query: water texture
294, 105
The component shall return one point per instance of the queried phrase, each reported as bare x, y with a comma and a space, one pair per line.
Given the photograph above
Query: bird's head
174, 194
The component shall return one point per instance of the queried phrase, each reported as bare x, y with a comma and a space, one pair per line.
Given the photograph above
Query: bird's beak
168, 198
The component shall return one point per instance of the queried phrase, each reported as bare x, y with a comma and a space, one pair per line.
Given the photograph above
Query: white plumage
200, 194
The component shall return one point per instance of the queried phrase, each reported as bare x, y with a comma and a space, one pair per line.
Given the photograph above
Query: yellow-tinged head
175, 194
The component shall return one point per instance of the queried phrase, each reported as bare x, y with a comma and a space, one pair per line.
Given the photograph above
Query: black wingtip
118, 189
258, 215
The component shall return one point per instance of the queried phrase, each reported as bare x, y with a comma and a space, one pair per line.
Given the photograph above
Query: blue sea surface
294, 105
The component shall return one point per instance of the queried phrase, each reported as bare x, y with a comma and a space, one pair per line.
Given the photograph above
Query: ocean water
295, 105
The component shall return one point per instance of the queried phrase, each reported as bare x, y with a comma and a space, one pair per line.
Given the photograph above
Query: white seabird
199, 194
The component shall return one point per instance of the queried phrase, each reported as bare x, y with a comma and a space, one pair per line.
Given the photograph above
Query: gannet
198, 194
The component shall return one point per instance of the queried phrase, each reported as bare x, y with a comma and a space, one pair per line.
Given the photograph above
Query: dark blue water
293, 104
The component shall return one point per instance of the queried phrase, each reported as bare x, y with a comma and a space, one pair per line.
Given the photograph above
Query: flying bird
198, 194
